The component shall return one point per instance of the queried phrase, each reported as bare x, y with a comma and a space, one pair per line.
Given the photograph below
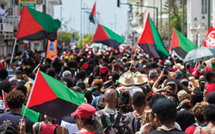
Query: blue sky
109, 14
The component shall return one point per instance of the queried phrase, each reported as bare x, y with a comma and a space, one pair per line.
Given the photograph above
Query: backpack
134, 122
117, 124
7, 127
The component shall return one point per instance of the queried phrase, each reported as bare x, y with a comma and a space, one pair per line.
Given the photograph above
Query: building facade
9, 25
197, 20
139, 14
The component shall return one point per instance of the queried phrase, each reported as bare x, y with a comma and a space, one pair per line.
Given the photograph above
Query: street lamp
198, 29
203, 20
195, 21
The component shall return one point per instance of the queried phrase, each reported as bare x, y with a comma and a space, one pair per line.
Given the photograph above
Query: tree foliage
175, 14
86, 38
67, 36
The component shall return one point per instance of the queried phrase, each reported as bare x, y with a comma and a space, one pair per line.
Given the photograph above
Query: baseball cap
163, 106
85, 111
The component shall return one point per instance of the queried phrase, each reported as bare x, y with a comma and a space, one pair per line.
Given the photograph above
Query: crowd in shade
125, 92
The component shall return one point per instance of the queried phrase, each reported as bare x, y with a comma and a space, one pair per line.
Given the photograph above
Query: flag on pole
210, 38
51, 97
51, 49
108, 37
4, 99
180, 44
35, 25
93, 14
151, 42
31, 114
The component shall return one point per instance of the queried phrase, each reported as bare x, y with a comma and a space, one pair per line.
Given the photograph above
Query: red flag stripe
94, 10
42, 89
147, 36
27, 25
100, 34
175, 41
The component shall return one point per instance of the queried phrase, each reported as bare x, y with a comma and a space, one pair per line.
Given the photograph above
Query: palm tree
173, 7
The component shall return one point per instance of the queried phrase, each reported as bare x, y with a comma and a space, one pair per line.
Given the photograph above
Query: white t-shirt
72, 128
2, 12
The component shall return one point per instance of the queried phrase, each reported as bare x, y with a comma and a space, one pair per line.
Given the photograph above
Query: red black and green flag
151, 42
35, 25
93, 14
51, 97
15, 63
108, 37
180, 44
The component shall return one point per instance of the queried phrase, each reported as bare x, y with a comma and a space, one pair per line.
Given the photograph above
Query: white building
9, 25
140, 14
197, 20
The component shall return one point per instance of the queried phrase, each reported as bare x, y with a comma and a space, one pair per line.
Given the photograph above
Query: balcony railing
13, 11
6, 28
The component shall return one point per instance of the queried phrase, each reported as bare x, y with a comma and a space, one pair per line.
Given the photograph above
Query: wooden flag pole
35, 69
32, 88
24, 113
14, 46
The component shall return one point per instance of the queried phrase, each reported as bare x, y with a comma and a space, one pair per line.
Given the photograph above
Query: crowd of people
126, 92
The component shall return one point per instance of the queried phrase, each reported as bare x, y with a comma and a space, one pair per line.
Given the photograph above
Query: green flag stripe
185, 43
62, 91
158, 42
46, 21
113, 35
31, 114
15, 63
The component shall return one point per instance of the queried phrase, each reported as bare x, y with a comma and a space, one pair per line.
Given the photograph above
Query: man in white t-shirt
2, 10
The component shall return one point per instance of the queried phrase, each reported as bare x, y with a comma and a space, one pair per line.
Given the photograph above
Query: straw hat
127, 79
181, 95
107, 85
139, 78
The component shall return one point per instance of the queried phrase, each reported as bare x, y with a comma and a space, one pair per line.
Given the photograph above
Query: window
204, 7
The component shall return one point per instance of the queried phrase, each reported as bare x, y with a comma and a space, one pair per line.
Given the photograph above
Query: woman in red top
210, 77
48, 127
86, 119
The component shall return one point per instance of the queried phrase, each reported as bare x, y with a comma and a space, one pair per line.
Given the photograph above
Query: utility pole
84, 24
154, 10
44, 7
169, 23
44, 41
209, 14
81, 26
183, 32
61, 37
161, 15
